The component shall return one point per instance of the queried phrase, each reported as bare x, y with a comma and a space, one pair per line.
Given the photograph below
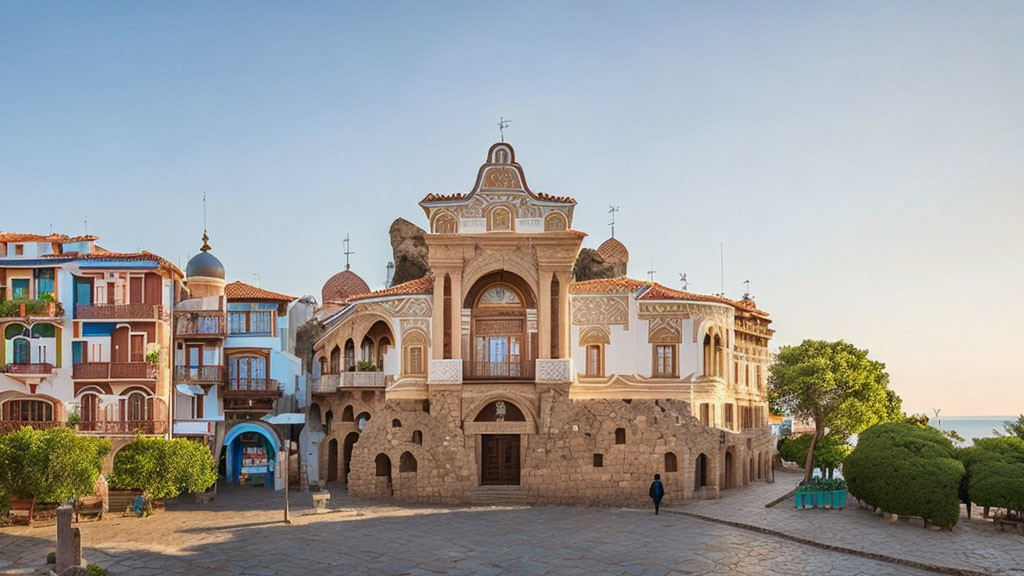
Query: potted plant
74, 419
366, 366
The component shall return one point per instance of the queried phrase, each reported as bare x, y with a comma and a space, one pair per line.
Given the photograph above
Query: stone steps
498, 496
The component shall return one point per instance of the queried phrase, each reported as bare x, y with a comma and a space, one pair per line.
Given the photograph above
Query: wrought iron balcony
198, 374
200, 324
508, 370
250, 394
113, 371
119, 312
102, 427
29, 368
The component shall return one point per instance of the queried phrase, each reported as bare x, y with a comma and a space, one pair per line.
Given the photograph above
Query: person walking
657, 492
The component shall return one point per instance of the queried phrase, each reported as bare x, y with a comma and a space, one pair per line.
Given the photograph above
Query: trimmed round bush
164, 468
995, 472
907, 470
828, 454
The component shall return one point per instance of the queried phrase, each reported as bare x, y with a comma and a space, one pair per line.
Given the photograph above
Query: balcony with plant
44, 307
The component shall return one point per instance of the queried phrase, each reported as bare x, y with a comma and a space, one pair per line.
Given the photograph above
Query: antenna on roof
348, 252
746, 289
256, 278
652, 271
51, 228
86, 224
502, 124
204, 211
683, 281
721, 262
612, 210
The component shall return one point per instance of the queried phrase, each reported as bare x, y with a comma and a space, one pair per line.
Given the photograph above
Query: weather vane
348, 251
684, 281
502, 124
612, 210
746, 289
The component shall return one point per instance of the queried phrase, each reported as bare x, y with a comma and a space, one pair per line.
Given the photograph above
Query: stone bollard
69, 540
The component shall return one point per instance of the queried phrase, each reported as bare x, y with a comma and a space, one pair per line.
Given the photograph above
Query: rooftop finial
684, 281
206, 238
652, 271
612, 210
502, 124
746, 289
348, 251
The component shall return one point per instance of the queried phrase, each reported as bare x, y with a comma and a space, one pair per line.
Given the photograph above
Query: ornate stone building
498, 378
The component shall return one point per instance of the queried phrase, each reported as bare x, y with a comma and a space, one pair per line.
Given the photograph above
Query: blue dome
204, 263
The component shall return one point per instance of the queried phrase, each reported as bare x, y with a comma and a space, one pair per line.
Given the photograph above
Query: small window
417, 437
383, 465
19, 249
415, 360
670, 462
445, 224
554, 223
705, 414
595, 366
598, 460
348, 415
501, 220
362, 420
396, 423
665, 361
620, 435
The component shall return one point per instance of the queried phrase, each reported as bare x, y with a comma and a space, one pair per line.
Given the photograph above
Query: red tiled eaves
655, 291
607, 285
243, 291
424, 285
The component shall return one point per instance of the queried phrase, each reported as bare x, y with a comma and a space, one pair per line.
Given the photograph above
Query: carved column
544, 315
437, 324
456, 319
563, 315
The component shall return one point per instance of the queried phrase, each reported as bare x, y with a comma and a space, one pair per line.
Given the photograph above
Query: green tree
829, 454
52, 465
1012, 428
995, 472
164, 468
834, 383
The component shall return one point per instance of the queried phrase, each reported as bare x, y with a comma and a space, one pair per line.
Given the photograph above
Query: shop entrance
499, 459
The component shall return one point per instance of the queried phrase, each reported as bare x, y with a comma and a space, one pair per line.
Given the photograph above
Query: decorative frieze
446, 371
554, 370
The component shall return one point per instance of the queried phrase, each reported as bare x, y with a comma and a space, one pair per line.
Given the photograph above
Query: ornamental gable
500, 201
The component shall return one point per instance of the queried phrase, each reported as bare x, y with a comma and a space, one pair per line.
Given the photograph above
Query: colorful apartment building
86, 336
238, 384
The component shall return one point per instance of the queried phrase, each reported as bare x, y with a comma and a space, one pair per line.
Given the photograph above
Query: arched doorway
250, 455
500, 454
350, 442
501, 346
701, 472
383, 485
332, 460
728, 469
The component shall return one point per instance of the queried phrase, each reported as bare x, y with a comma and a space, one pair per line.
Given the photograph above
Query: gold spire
206, 243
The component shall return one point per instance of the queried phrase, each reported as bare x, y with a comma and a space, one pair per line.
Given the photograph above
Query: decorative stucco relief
664, 330
399, 307
601, 311
554, 370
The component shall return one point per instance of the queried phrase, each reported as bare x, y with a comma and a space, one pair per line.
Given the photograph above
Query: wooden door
332, 460
110, 292
499, 461
138, 353
135, 290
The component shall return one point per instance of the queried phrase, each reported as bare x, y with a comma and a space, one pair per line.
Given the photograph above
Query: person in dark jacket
657, 492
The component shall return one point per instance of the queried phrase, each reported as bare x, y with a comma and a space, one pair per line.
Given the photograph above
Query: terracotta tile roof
578, 233
243, 291
655, 291
424, 285
550, 198
342, 286
607, 285
443, 197
613, 251
20, 237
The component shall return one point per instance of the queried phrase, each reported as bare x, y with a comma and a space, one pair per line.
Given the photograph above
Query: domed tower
614, 253
344, 284
205, 273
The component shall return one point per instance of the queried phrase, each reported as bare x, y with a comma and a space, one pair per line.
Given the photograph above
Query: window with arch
670, 462
595, 360
554, 222
620, 435
407, 462
27, 411
348, 414
500, 219
336, 360
414, 346
89, 408
138, 408
383, 465
417, 437
350, 356
396, 423
445, 224
362, 420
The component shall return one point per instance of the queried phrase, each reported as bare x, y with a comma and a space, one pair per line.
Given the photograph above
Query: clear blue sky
862, 162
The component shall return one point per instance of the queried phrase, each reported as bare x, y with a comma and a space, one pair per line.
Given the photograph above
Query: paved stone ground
972, 545
241, 533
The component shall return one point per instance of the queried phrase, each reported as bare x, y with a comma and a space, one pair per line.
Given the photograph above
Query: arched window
366, 351
396, 423
336, 360
138, 408
595, 360
417, 437
719, 357
501, 219
709, 357
350, 356
347, 414
383, 465
670, 462
445, 224
620, 435
90, 411
554, 222
328, 417
28, 411
362, 420
407, 462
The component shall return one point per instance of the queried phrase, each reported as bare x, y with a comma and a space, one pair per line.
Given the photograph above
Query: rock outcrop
592, 266
408, 242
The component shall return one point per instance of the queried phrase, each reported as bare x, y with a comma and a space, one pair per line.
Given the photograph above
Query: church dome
205, 264
613, 251
342, 286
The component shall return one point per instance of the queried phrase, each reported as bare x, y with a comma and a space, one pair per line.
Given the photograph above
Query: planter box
827, 499
21, 511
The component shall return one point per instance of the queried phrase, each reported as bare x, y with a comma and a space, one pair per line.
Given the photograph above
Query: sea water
971, 427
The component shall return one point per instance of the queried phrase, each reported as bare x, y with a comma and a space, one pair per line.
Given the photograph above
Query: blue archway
234, 452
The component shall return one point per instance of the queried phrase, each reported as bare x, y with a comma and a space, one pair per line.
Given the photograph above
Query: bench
89, 506
1016, 523
121, 499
